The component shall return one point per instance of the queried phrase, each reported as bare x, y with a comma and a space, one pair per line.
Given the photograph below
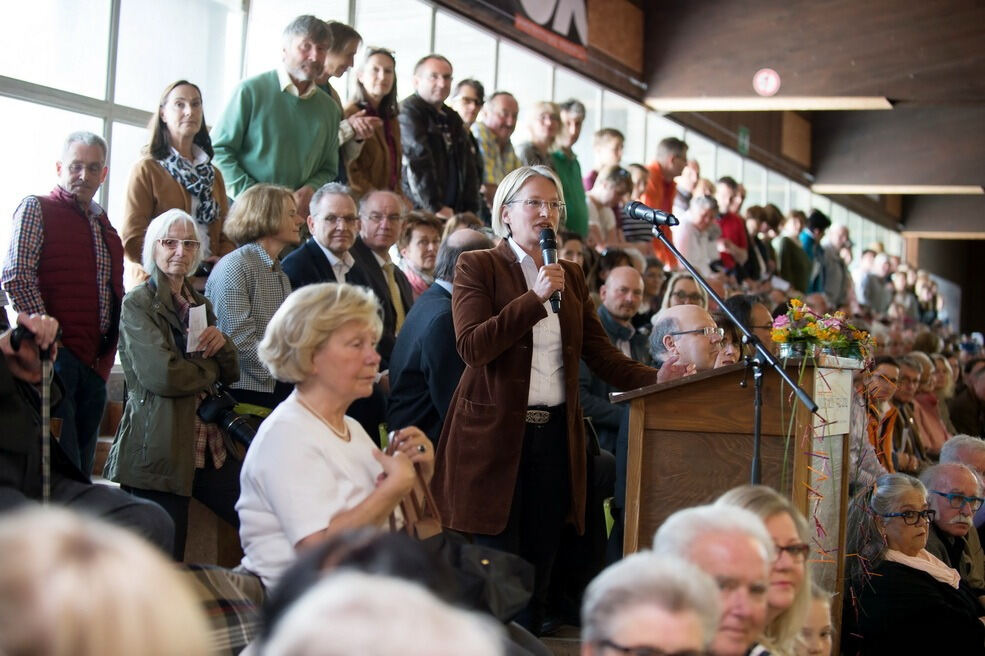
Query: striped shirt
246, 287
20, 270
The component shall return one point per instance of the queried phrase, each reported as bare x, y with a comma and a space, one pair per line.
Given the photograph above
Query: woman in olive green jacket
162, 451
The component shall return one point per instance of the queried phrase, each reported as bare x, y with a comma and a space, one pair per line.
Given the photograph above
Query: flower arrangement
802, 325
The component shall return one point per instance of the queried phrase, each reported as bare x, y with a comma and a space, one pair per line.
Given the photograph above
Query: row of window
102, 64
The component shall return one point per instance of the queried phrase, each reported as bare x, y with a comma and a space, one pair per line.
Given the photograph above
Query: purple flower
781, 321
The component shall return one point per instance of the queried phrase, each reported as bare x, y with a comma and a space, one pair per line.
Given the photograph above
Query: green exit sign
743, 140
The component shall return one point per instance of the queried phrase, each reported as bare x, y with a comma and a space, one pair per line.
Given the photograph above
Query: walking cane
16, 336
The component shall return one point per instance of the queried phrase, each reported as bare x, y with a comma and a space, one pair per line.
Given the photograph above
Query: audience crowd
359, 283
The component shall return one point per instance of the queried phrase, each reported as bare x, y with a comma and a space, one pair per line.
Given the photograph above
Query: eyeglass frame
798, 552
378, 217
530, 203
333, 220
950, 496
643, 650
188, 244
680, 294
707, 331
927, 514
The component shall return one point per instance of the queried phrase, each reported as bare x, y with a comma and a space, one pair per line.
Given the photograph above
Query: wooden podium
690, 440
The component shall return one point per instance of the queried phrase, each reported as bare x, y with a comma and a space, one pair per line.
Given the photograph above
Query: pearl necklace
342, 434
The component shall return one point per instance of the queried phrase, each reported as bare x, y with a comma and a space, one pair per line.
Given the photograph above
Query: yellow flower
796, 303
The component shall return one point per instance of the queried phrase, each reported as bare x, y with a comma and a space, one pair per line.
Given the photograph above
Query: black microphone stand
760, 358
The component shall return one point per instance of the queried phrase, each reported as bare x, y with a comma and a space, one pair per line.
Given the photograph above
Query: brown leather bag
421, 518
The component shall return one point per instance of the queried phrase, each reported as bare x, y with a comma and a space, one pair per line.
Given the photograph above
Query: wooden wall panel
615, 27
795, 138
907, 145
900, 49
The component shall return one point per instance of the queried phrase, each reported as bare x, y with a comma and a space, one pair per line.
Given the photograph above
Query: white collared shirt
340, 265
287, 85
546, 363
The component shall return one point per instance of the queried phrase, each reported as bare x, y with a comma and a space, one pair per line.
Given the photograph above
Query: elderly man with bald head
684, 341
621, 297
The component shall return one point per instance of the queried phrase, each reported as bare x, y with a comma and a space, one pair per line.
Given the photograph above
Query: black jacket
20, 437
372, 275
427, 157
901, 610
425, 366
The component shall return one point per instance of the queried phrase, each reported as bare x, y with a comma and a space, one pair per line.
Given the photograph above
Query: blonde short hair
75, 585
305, 321
257, 213
511, 186
766, 503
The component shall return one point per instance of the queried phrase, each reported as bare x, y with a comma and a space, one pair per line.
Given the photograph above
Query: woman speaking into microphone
511, 462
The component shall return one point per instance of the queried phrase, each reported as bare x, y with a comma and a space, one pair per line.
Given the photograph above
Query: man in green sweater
568, 169
279, 127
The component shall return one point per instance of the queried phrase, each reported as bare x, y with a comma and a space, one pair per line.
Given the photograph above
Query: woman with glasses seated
754, 314
511, 465
899, 599
790, 580
681, 289
163, 451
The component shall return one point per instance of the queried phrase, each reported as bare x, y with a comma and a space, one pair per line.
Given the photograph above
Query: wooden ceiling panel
907, 51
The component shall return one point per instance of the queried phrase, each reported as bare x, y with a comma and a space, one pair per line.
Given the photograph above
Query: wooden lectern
690, 440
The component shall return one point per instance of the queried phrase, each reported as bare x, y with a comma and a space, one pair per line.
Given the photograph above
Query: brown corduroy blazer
479, 451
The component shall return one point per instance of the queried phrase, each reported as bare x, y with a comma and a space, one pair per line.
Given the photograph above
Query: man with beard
953, 490
279, 127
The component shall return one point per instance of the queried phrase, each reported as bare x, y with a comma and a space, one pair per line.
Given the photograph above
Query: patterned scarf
197, 179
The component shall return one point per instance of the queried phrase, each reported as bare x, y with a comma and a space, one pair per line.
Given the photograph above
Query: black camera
218, 408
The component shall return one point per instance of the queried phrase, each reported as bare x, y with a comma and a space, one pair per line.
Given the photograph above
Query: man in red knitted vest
66, 260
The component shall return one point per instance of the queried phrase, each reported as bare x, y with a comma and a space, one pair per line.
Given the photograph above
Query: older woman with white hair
512, 462
354, 613
312, 472
647, 603
790, 579
900, 599
163, 451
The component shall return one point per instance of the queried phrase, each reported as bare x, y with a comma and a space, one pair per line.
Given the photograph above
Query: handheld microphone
548, 246
640, 212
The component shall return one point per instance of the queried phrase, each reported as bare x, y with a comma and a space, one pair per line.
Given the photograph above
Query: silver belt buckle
538, 417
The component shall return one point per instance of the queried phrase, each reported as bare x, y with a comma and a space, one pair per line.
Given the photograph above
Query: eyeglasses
694, 299
76, 168
765, 326
332, 219
913, 517
376, 217
907, 381
958, 501
715, 334
172, 244
797, 552
533, 203
643, 650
